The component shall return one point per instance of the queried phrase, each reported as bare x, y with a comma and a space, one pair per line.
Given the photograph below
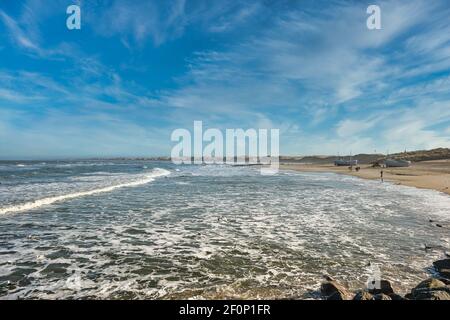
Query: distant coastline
433, 175
430, 169
363, 158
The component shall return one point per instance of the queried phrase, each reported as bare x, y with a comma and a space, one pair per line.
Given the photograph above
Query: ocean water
153, 230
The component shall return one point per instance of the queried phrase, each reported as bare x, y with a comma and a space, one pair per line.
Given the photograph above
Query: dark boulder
445, 273
382, 296
443, 267
395, 296
432, 295
332, 290
442, 264
363, 295
430, 289
427, 285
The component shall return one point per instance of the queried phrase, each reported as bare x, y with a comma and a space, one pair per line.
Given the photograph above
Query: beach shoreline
434, 175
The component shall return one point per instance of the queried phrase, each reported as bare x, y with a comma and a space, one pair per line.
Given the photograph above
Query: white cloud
74, 135
140, 22
17, 34
319, 75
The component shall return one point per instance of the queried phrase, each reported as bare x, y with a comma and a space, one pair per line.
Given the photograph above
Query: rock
328, 278
442, 264
382, 296
385, 288
432, 295
443, 267
445, 273
409, 296
363, 295
397, 297
426, 285
332, 290
430, 289
337, 296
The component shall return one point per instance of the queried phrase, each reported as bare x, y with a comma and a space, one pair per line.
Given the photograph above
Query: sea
139, 229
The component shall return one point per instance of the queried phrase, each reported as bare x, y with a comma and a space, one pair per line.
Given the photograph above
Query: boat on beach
392, 163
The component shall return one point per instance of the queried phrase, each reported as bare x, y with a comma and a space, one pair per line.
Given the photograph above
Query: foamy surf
183, 238
157, 172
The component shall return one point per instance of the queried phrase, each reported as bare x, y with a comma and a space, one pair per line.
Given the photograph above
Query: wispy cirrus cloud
18, 35
139, 21
308, 62
158, 22
138, 69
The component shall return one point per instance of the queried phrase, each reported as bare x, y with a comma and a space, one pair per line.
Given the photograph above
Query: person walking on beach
381, 176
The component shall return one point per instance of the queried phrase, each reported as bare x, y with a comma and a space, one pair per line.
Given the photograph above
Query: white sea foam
50, 200
242, 237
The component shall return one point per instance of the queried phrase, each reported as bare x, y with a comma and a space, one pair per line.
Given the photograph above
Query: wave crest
147, 178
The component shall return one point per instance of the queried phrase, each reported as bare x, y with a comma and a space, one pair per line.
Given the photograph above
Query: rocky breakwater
435, 288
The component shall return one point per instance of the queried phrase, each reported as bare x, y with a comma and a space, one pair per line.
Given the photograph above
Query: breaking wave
143, 179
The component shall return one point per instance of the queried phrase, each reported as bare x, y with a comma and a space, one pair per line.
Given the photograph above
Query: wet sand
426, 175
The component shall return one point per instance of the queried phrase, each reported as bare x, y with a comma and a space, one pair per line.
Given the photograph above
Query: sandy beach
427, 174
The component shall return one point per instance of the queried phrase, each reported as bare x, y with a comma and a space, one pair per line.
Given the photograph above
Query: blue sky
139, 69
